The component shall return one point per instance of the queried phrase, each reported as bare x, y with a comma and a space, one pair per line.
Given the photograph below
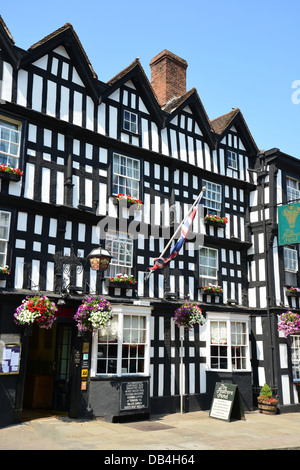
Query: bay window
228, 342
123, 347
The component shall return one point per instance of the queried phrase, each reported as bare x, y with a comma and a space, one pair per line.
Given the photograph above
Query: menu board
10, 359
226, 402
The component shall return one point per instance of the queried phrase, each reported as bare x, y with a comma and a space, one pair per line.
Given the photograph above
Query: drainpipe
261, 175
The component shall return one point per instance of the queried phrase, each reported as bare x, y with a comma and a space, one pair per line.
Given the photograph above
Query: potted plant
266, 403
4, 272
37, 309
215, 220
212, 289
289, 323
128, 200
93, 313
189, 315
7, 172
293, 291
122, 280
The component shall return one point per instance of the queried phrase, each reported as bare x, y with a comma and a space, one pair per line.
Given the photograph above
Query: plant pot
3, 276
120, 285
267, 408
5, 175
214, 223
211, 292
125, 203
292, 294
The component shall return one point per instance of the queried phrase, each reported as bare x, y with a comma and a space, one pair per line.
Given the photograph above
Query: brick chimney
168, 76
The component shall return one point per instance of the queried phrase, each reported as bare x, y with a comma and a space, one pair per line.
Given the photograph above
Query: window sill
119, 377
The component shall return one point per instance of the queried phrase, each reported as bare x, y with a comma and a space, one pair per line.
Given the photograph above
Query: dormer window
232, 160
130, 121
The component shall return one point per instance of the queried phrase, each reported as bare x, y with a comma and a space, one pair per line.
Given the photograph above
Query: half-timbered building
78, 143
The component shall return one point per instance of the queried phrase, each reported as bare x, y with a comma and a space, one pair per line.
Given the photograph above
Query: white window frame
129, 123
292, 189
116, 243
295, 357
8, 157
290, 257
212, 197
5, 240
232, 161
122, 311
125, 177
229, 319
290, 262
209, 279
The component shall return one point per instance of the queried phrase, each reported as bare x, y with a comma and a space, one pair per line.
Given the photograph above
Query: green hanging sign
289, 224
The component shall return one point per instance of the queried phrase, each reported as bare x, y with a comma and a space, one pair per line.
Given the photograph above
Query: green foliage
266, 392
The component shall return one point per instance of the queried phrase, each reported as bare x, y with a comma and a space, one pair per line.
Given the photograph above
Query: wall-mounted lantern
99, 259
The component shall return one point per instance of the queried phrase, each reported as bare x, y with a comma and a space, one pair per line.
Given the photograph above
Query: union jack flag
185, 228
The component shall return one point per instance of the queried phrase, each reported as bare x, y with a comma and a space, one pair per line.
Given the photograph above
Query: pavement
185, 433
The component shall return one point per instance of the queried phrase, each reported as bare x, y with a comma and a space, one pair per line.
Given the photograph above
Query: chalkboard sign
134, 395
226, 402
10, 359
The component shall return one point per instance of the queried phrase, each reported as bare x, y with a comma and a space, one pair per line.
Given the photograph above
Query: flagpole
179, 227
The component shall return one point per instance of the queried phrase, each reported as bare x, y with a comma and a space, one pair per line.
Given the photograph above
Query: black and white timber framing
71, 125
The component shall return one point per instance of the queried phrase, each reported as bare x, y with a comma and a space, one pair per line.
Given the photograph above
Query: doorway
48, 368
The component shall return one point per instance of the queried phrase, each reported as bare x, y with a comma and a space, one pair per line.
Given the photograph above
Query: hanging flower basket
93, 313
289, 323
189, 315
37, 309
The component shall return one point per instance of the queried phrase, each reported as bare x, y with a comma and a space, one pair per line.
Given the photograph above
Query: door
61, 385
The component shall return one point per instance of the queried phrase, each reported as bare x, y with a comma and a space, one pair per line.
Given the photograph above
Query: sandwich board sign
226, 403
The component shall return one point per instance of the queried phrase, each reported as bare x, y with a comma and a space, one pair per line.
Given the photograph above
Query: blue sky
242, 54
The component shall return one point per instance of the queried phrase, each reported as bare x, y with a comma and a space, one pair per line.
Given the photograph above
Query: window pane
132, 344
126, 175
9, 143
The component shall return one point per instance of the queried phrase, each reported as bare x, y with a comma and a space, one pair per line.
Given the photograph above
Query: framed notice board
226, 403
10, 359
134, 395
